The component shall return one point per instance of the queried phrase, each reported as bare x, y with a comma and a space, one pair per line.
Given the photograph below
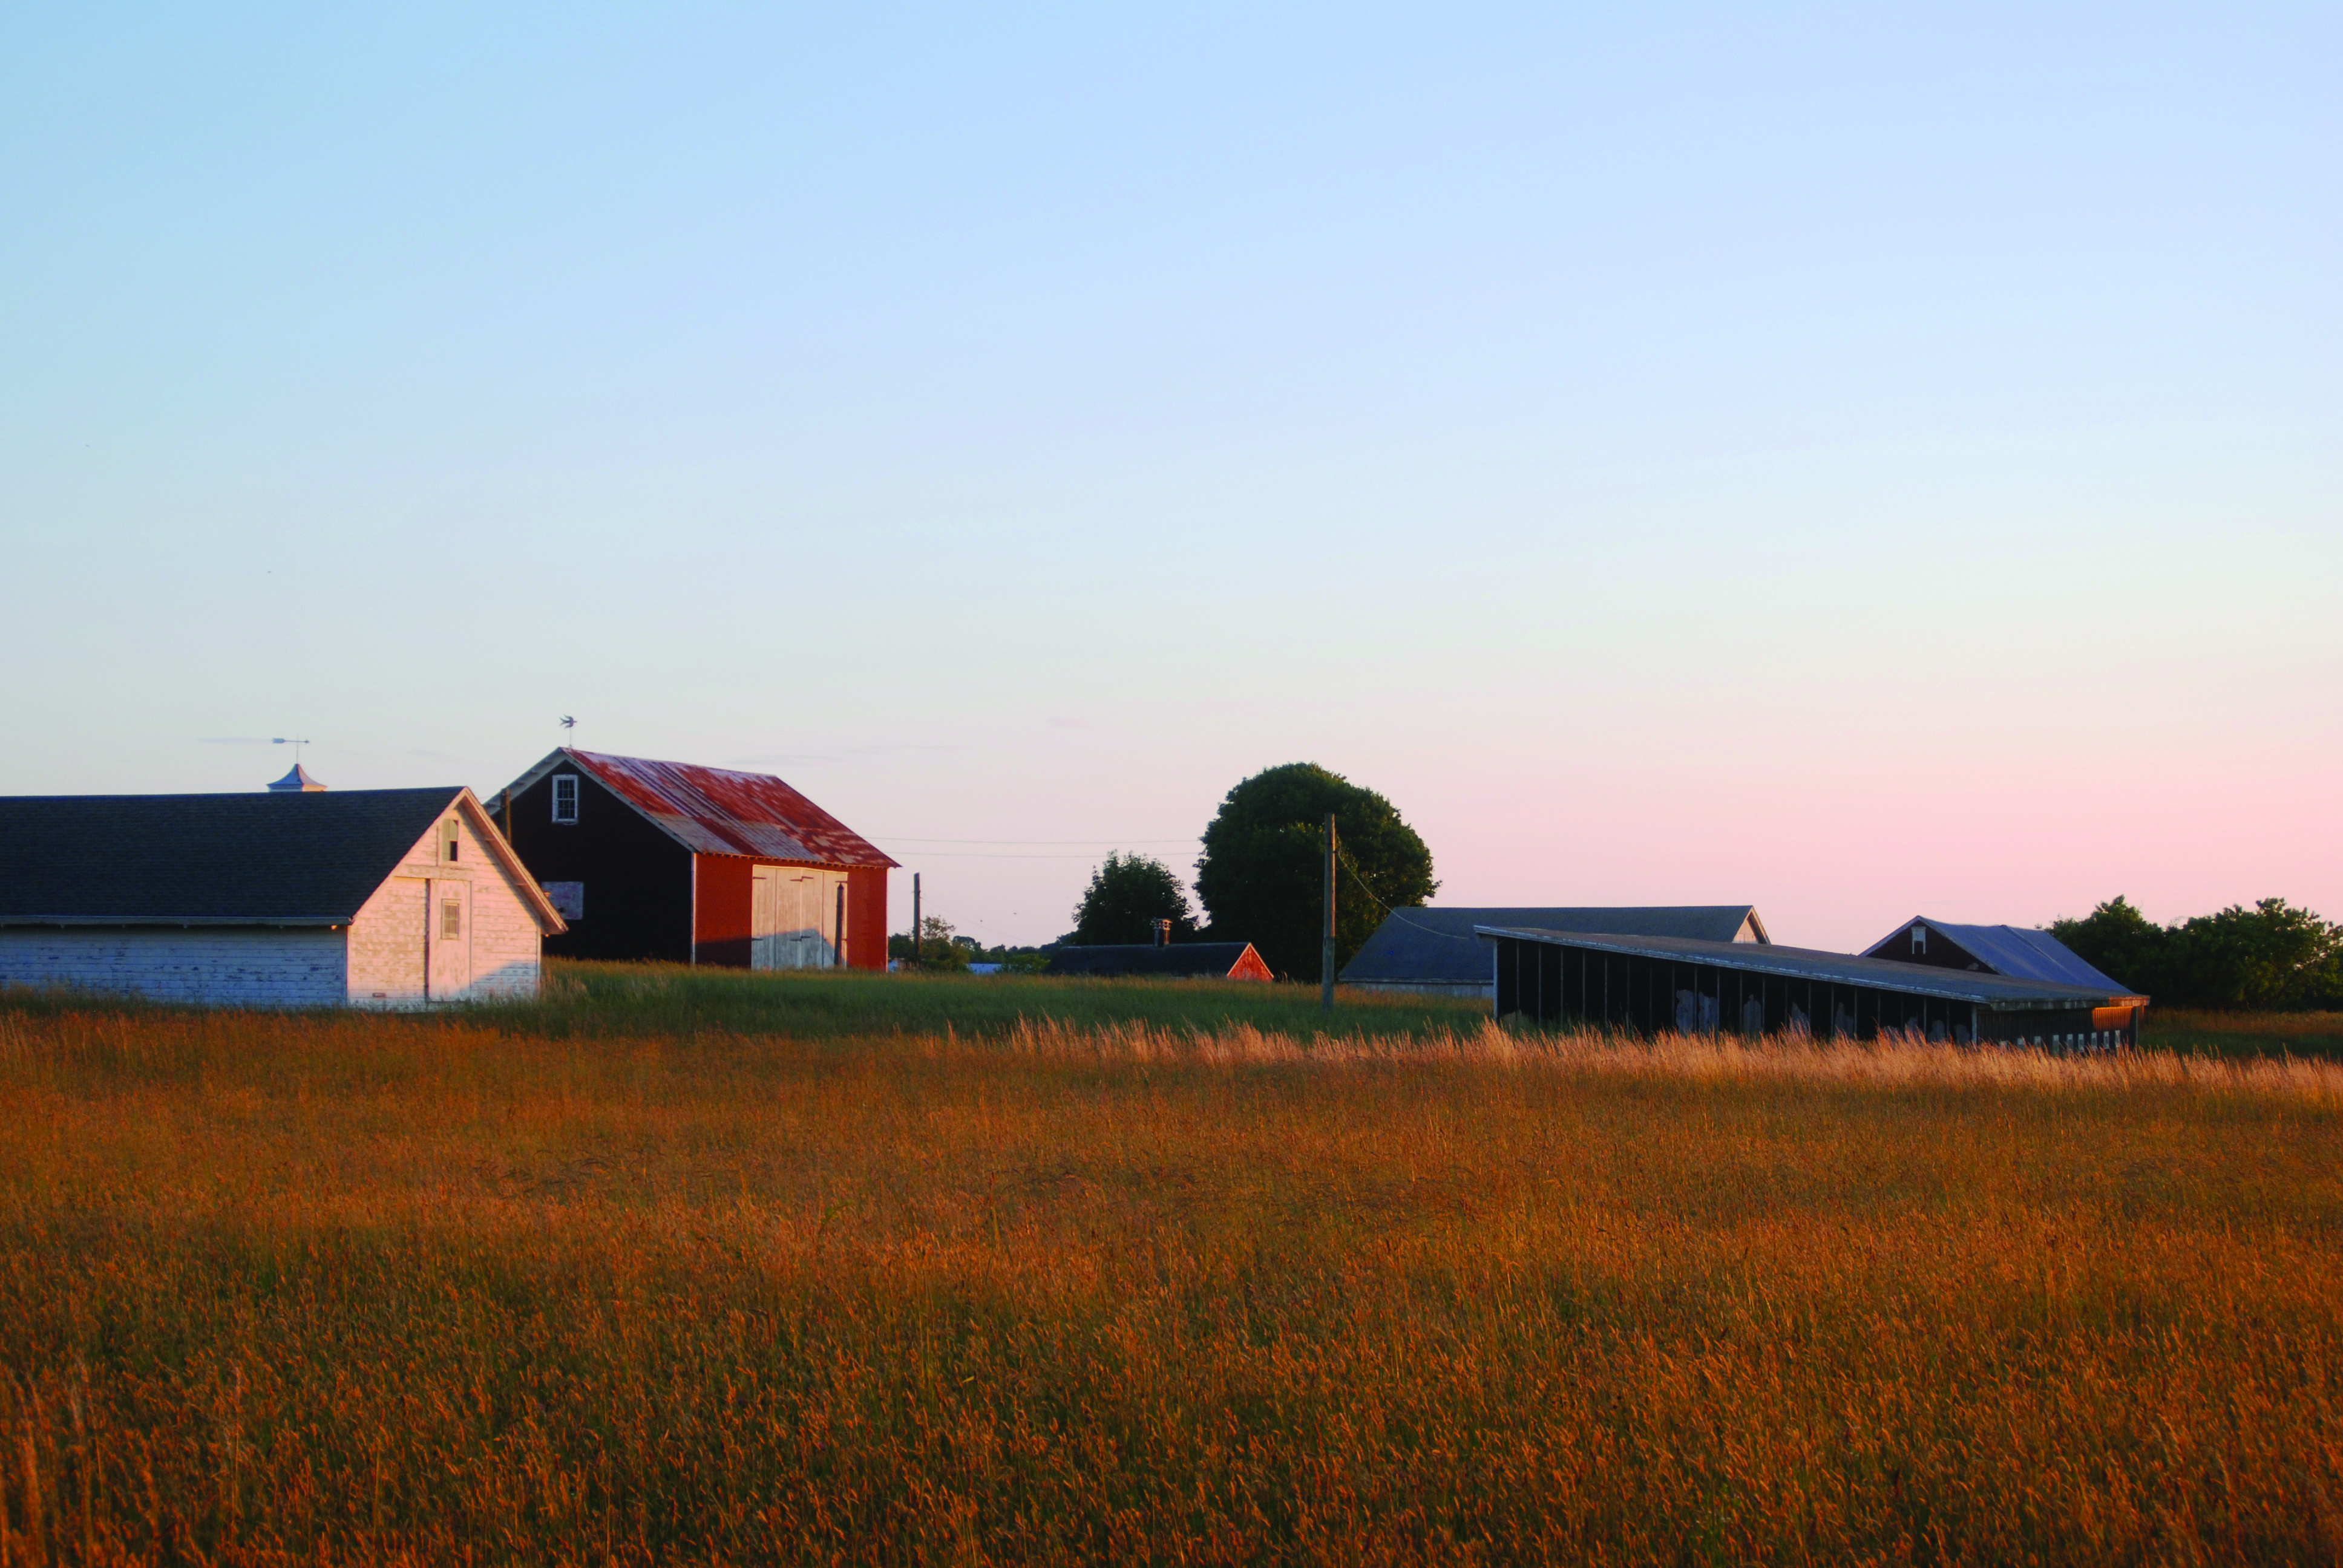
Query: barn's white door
451, 929
790, 914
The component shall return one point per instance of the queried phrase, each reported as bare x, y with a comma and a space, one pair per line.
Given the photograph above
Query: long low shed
1654, 985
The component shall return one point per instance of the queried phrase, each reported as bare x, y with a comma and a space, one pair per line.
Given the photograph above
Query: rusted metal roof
717, 811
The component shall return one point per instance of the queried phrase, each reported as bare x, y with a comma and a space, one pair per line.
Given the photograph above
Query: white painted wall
386, 945
379, 961
392, 939
234, 966
793, 917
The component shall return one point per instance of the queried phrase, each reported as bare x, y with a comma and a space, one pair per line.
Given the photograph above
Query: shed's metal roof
719, 811
2014, 950
1437, 946
1995, 991
1180, 959
268, 857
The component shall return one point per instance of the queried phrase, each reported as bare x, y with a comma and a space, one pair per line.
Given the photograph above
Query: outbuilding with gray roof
1434, 950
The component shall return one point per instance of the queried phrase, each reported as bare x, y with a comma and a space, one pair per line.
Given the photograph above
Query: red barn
695, 865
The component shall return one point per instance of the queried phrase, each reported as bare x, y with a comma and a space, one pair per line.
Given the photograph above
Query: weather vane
295, 741
569, 728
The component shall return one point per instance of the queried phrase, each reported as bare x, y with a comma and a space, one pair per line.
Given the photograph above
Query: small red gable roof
719, 811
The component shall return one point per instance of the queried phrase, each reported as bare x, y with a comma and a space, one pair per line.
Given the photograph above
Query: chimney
1164, 933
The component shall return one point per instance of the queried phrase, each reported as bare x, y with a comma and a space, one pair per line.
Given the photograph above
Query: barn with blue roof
2014, 952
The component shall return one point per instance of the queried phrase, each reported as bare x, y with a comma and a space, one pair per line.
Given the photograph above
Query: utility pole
915, 921
1326, 951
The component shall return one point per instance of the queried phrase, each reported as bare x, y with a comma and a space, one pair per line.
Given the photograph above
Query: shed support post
1326, 947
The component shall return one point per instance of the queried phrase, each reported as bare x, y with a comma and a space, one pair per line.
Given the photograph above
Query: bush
2270, 958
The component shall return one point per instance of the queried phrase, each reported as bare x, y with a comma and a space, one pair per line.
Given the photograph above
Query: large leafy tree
1261, 874
2119, 943
1126, 897
2272, 956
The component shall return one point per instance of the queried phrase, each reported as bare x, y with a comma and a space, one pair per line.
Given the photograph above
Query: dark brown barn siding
1944, 953
638, 879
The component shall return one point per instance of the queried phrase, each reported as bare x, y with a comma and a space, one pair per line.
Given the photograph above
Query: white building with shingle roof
294, 898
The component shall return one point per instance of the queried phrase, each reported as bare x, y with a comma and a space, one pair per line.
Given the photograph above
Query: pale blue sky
1856, 461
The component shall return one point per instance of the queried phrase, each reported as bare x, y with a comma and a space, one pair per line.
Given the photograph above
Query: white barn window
565, 797
1919, 938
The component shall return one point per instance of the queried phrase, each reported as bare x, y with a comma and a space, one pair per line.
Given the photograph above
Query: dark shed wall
638, 879
1548, 983
1943, 952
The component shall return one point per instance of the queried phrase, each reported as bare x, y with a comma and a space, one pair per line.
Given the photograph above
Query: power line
1400, 915
978, 855
906, 838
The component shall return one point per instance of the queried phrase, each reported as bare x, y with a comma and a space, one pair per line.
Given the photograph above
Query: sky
1856, 461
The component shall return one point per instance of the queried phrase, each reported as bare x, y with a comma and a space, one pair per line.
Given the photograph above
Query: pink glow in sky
1859, 465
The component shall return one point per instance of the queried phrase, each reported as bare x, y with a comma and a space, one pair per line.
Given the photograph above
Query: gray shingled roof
261, 858
1437, 946
1180, 960
2013, 951
1839, 969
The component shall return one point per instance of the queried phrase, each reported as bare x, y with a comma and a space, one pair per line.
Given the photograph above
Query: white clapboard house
293, 898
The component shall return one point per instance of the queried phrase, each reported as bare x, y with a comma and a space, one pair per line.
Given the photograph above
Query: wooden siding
1550, 983
237, 966
386, 943
731, 931
1942, 952
1250, 966
636, 880
721, 887
392, 943
648, 897
865, 918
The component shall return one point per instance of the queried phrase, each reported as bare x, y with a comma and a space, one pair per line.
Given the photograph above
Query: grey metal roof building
1434, 950
1657, 985
1177, 960
2016, 951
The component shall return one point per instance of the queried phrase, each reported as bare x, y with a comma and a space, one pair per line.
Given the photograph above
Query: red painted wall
1248, 966
727, 896
720, 909
865, 918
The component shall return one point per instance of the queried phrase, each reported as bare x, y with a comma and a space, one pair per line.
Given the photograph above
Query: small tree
1127, 895
1262, 872
938, 948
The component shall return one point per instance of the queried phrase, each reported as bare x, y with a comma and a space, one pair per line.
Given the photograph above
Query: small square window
565, 797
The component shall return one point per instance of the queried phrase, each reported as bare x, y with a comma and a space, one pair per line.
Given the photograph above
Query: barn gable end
392, 939
290, 898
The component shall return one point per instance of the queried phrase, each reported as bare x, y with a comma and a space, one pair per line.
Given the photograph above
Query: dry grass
2246, 1034
386, 1289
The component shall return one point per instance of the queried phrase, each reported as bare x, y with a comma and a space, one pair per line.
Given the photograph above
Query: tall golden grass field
646, 1273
